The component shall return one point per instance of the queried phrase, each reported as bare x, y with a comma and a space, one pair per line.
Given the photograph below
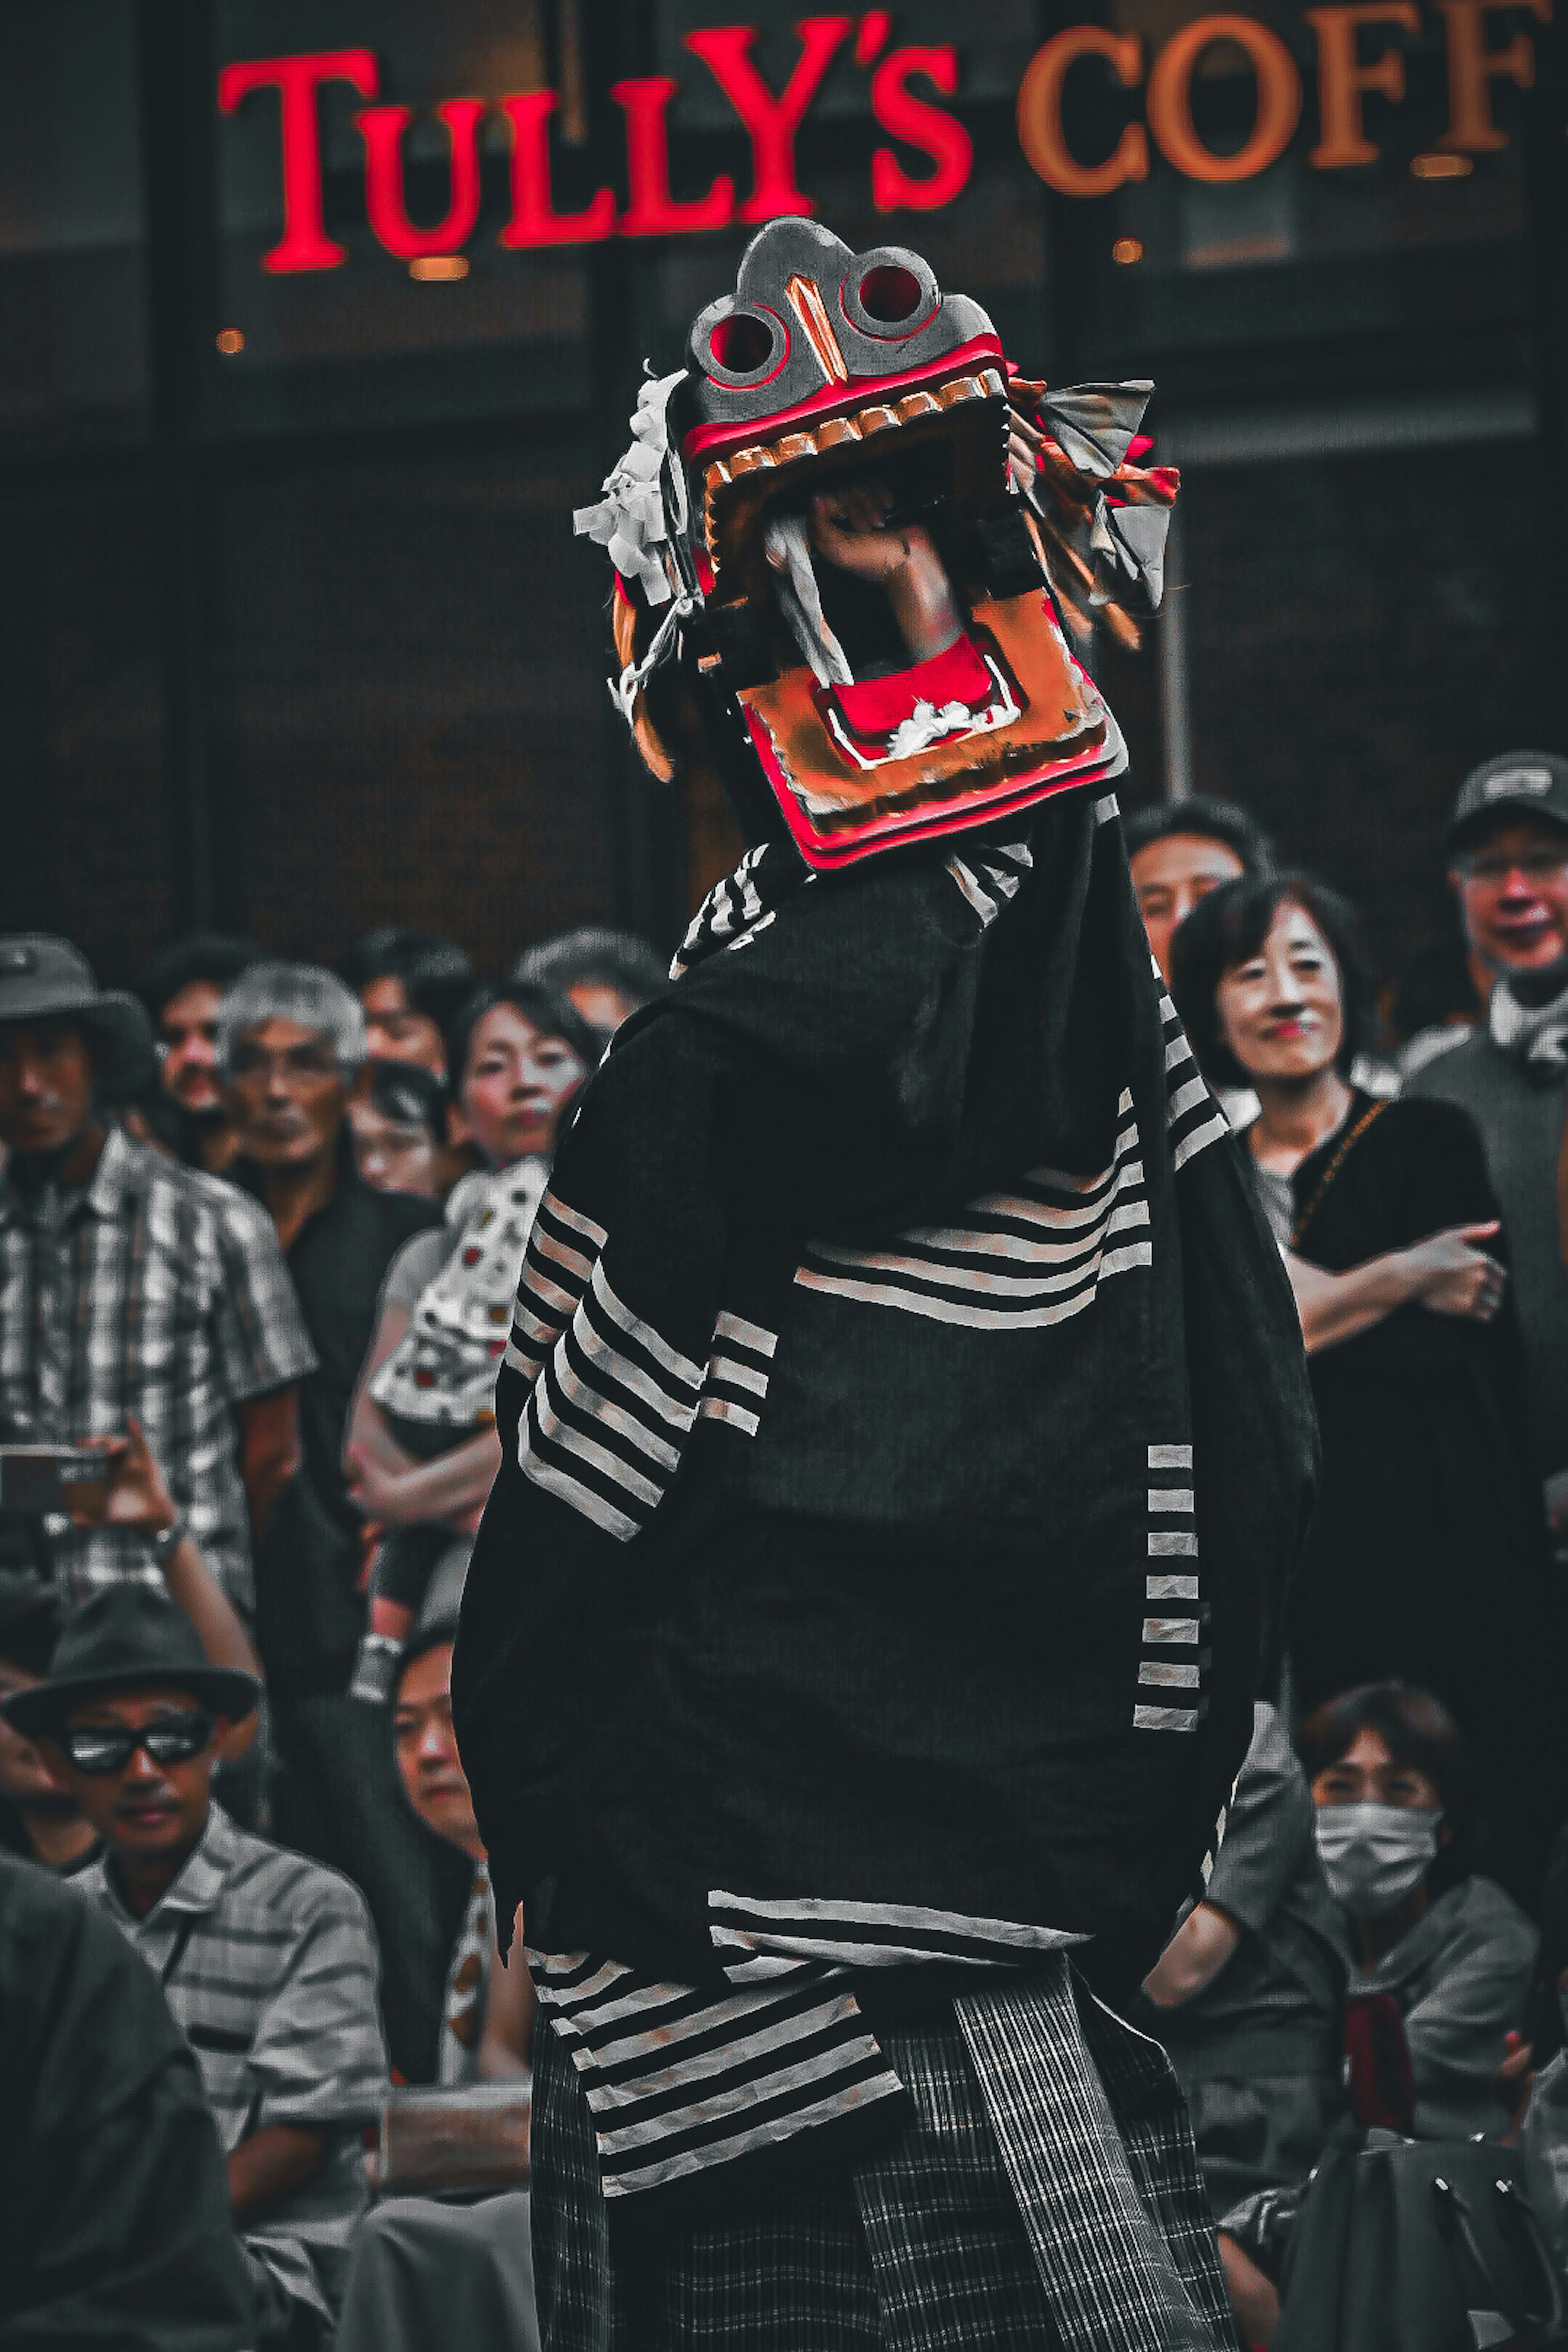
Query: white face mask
1375, 1855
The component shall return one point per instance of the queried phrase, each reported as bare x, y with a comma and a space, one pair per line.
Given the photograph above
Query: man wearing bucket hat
130, 1286
1508, 866
266, 1961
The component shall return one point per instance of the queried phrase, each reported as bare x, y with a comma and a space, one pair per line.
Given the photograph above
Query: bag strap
1346, 1145
1454, 2226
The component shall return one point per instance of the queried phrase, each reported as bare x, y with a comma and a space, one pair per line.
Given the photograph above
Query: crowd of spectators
260, 1230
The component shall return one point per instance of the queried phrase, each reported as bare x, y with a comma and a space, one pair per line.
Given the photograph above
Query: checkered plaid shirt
269, 1967
158, 1291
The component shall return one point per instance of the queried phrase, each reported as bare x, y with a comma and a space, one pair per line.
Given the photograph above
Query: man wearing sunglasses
266, 1961
1507, 868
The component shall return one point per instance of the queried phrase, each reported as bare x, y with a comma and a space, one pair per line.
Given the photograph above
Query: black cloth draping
115, 2227
1427, 1557
888, 1643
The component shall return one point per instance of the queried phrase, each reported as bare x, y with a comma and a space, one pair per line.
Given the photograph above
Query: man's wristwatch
167, 1540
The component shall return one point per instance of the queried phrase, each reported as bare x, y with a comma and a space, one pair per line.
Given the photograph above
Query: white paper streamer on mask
800, 600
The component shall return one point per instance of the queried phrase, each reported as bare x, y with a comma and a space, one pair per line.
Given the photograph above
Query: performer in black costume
906, 1437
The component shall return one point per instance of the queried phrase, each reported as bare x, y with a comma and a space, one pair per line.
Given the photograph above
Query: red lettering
653, 211
534, 219
383, 128
305, 244
770, 122
922, 126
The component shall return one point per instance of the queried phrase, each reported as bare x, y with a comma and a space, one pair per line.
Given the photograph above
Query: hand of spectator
134, 1495
372, 1488
1515, 2078
1453, 1275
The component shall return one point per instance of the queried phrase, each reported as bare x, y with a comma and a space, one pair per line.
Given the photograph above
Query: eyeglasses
173, 1739
1536, 866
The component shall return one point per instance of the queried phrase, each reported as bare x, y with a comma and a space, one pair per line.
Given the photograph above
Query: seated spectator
423, 1450
488, 2022
427, 2274
1543, 2135
266, 1961
181, 988
1389, 1231
397, 1114
1399, 1835
132, 1286
607, 975
1248, 1994
1181, 850
36, 1817
115, 2226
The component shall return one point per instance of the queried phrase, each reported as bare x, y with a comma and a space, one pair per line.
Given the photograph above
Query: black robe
906, 1435
1428, 1557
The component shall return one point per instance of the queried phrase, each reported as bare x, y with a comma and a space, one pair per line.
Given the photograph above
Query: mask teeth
858, 425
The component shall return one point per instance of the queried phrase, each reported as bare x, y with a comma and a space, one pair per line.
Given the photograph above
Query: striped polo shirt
269, 1967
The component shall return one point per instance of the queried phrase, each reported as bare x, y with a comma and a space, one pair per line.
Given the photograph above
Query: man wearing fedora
130, 1286
266, 1961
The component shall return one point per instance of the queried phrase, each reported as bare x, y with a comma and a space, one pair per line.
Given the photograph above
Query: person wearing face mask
1399, 1834
1427, 1557
422, 1448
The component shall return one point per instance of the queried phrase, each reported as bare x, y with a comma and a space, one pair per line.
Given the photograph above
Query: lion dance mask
867, 545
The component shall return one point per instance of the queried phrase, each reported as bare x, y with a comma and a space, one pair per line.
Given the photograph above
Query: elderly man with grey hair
291, 1041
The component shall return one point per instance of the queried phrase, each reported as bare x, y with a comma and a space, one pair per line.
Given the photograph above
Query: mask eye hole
890, 295
740, 343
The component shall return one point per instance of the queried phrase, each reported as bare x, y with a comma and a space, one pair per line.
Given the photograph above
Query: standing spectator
607, 975
398, 1114
291, 1044
1181, 850
412, 985
181, 988
266, 1961
1399, 1835
133, 1286
1390, 1234
115, 2228
1437, 1004
423, 1450
1508, 864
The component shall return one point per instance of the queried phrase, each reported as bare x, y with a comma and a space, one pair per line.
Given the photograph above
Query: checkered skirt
945, 2236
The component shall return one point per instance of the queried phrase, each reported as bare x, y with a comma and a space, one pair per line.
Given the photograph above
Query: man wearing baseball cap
1508, 866
266, 1961
133, 1287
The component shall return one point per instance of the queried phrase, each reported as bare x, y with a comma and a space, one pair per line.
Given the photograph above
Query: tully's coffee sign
1357, 46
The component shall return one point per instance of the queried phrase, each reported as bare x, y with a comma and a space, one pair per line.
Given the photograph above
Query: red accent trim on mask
706, 440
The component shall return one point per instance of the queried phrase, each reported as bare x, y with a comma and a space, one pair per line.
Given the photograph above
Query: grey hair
304, 992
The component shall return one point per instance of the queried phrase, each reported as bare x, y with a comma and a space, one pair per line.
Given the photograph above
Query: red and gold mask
869, 545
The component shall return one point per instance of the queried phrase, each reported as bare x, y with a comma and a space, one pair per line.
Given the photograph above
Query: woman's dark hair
1230, 925
1207, 821
435, 974
554, 1017
409, 1097
1417, 1731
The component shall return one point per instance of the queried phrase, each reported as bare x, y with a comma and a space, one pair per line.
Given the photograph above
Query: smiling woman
1390, 1235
